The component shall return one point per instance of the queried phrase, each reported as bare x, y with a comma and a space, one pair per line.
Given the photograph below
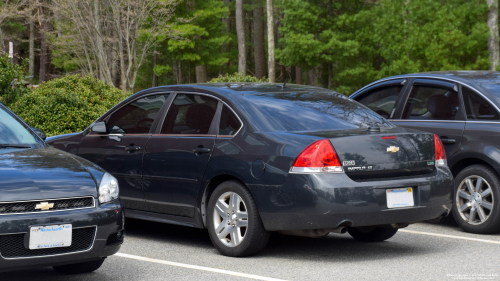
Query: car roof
473, 78
480, 77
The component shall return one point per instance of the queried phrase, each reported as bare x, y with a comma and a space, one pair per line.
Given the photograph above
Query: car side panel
482, 140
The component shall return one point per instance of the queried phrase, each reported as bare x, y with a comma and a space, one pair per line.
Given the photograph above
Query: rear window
308, 111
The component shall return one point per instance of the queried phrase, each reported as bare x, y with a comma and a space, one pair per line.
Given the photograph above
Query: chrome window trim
429, 77
37, 257
485, 122
413, 120
208, 95
43, 212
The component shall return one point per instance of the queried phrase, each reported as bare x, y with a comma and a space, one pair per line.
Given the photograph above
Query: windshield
13, 132
307, 111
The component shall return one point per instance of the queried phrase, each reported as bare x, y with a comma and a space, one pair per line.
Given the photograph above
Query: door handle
447, 141
133, 148
201, 150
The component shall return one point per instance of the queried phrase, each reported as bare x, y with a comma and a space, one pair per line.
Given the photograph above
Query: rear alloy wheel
371, 234
475, 209
77, 268
233, 221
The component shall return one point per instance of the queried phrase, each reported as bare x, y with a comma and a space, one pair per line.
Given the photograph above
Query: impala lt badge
393, 149
44, 206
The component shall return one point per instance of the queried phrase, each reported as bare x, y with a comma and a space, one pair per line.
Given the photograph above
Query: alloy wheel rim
474, 200
230, 219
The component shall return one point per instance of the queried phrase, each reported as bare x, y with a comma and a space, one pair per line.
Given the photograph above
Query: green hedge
237, 77
11, 80
67, 104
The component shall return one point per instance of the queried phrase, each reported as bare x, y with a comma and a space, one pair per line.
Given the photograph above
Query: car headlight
108, 189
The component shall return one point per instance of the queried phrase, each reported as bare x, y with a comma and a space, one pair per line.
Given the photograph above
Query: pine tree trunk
492, 22
31, 67
201, 73
311, 75
154, 66
298, 74
270, 41
240, 32
258, 40
42, 76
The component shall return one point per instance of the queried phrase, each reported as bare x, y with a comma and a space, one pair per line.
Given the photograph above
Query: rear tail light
440, 153
318, 157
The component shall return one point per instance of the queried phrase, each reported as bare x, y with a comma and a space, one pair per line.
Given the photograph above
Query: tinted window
381, 100
14, 132
476, 107
136, 117
304, 111
431, 103
190, 114
229, 123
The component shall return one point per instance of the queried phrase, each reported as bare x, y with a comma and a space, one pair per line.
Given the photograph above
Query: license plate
399, 197
52, 236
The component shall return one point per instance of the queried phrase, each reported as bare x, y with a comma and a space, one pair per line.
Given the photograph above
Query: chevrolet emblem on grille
44, 206
393, 149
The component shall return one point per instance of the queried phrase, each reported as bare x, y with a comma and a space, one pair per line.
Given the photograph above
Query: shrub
67, 104
11, 80
237, 77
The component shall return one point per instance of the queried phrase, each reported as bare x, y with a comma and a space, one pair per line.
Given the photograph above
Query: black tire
492, 223
255, 236
371, 234
77, 268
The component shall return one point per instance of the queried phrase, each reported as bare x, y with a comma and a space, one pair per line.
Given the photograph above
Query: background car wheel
77, 268
475, 206
371, 234
233, 221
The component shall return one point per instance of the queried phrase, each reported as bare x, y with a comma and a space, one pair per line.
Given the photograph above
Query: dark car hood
44, 173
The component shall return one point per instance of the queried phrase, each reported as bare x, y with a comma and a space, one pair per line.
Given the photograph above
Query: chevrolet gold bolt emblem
393, 149
44, 206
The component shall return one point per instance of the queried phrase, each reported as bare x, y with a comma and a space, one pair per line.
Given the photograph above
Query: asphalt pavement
423, 251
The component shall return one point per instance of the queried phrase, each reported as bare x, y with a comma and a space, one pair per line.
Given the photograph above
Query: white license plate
399, 197
52, 236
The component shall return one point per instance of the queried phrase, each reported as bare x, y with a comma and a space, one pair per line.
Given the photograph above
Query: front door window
136, 117
382, 100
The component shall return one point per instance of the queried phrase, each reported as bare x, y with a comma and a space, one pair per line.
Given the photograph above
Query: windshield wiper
4, 145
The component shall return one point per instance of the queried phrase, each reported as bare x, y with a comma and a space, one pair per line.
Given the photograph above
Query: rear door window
190, 114
476, 107
136, 117
427, 102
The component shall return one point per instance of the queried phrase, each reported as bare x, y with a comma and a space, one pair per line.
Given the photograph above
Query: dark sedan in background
244, 159
462, 108
56, 209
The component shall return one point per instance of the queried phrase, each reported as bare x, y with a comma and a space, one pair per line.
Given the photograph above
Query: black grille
12, 245
114, 240
59, 204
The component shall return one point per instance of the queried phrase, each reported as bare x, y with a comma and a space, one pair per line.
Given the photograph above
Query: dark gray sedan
463, 109
56, 209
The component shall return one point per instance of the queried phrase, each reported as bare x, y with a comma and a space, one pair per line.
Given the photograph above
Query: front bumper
107, 219
319, 201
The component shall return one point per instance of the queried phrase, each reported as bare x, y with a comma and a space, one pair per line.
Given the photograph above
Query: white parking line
216, 270
451, 236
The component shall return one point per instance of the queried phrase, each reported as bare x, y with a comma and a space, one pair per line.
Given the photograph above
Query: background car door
121, 149
176, 158
383, 97
434, 106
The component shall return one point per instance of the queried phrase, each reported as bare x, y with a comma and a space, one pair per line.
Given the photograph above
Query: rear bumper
107, 218
318, 201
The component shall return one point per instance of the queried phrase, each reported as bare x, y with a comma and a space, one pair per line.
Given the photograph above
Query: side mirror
99, 127
40, 133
